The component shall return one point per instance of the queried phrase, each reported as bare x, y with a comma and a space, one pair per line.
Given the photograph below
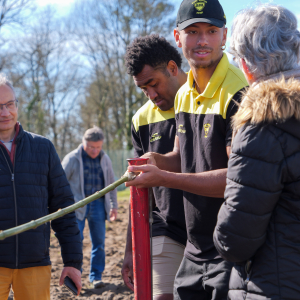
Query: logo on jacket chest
206, 129
181, 129
155, 137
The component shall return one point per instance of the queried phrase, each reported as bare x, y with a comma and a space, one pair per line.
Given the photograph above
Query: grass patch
123, 195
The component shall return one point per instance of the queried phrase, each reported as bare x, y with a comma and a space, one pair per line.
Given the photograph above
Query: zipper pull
12, 177
248, 270
247, 279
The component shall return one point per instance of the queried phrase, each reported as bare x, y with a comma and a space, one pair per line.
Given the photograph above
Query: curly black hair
153, 50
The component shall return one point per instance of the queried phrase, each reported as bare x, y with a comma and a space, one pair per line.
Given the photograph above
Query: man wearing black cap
198, 164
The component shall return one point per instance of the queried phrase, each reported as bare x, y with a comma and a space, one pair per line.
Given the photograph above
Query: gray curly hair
266, 37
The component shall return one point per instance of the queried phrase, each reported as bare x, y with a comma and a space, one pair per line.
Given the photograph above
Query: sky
231, 7
63, 6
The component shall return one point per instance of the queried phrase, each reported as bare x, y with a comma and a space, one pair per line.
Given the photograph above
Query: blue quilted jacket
34, 186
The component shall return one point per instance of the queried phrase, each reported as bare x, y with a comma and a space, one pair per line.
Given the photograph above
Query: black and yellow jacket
204, 131
153, 130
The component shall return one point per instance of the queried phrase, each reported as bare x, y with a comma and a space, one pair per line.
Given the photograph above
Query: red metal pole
140, 238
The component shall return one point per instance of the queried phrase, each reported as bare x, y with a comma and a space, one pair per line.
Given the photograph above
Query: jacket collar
294, 73
275, 99
18, 133
18, 136
215, 81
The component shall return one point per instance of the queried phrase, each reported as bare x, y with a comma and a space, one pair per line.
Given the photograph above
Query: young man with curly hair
156, 68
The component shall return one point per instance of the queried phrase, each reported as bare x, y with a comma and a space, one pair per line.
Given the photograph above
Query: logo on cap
195, 11
199, 5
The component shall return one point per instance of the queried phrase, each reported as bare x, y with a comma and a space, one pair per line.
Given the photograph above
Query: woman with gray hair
259, 223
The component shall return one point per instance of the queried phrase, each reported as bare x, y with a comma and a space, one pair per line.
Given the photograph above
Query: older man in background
89, 169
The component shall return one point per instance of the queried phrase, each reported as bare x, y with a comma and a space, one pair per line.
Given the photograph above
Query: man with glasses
32, 185
89, 169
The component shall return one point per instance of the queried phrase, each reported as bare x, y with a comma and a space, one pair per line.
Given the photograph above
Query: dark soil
114, 288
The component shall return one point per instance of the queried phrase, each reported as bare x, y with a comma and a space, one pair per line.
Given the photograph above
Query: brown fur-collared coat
258, 225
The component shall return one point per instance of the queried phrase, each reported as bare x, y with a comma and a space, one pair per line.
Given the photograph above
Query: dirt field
114, 247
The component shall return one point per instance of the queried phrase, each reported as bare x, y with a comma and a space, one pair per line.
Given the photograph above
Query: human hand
74, 274
150, 176
113, 214
151, 159
127, 270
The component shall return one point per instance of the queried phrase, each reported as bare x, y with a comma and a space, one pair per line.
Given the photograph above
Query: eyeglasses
94, 148
10, 105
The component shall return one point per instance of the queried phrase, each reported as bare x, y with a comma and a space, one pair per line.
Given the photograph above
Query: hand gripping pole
139, 204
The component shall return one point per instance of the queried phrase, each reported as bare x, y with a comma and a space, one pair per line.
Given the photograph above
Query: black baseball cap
200, 11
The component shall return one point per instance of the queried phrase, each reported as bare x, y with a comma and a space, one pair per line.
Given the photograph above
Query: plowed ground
114, 288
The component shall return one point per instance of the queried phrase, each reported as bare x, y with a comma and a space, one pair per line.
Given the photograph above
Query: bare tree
101, 31
11, 11
47, 78
12, 14
51, 62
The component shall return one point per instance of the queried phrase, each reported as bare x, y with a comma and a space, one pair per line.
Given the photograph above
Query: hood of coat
273, 99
